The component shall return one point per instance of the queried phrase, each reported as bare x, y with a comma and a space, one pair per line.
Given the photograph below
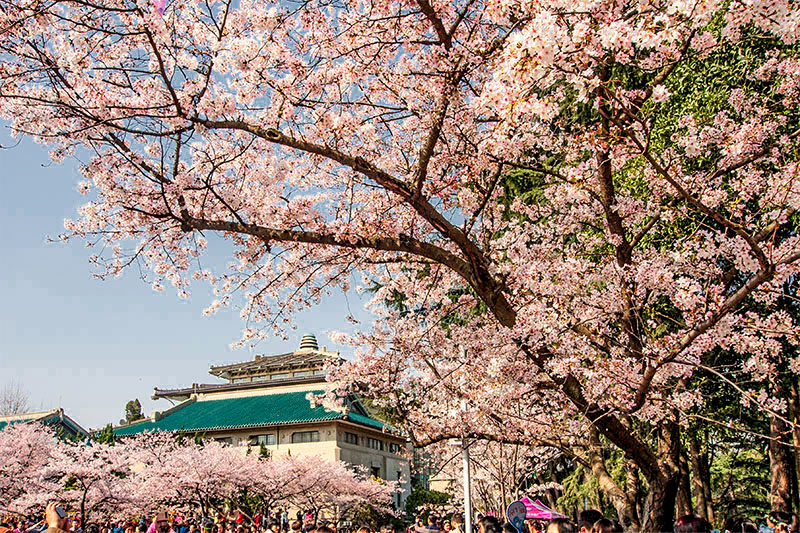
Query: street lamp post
467, 487
465, 461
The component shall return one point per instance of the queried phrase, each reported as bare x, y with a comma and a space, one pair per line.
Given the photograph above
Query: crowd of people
593, 521
589, 521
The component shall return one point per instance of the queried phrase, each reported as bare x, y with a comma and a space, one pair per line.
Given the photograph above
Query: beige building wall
390, 465
265, 391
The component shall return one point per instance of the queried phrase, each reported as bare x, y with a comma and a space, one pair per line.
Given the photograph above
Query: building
64, 426
267, 402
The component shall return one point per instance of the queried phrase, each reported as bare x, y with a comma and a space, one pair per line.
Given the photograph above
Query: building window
319, 372
305, 436
258, 440
394, 448
241, 380
375, 444
302, 373
376, 471
279, 376
225, 440
260, 378
350, 438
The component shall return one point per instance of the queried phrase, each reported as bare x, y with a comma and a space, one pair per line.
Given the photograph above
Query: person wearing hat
160, 524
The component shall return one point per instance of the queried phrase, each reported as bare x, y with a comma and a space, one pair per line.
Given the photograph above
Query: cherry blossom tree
168, 471
331, 488
530, 182
93, 478
25, 452
184, 474
501, 473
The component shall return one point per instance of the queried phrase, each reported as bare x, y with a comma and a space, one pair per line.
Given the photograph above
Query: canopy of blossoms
159, 471
560, 218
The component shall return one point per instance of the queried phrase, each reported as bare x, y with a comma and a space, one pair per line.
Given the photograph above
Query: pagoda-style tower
302, 366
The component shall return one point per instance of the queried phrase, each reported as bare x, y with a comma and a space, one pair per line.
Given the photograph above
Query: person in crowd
433, 523
487, 521
274, 527
364, 529
161, 524
604, 525
447, 527
587, 518
55, 523
783, 522
691, 524
297, 526
323, 529
560, 525
509, 528
493, 527
739, 525
457, 522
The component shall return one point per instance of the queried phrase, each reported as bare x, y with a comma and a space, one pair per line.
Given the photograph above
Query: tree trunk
683, 503
626, 513
780, 458
659, 507
780, 463
794, 412
633, 491
659, 510
701, 484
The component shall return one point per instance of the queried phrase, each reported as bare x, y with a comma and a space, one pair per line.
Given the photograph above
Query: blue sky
90, 345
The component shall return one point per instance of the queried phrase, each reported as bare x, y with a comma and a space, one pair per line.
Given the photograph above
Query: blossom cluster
157, 471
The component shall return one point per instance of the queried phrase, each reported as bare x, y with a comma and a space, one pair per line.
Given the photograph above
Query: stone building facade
269, 401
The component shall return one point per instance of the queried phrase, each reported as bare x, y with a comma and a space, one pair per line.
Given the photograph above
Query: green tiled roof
4, 423
55, 418
245, 412
368, 421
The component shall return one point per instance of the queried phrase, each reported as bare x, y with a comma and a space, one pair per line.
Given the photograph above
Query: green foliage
421, 496
364, 515
740, 481
106, 435
581, 489
133, 411
263, 452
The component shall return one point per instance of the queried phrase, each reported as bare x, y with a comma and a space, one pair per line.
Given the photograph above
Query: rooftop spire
309, 342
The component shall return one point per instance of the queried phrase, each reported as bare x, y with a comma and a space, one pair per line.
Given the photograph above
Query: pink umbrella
536, 510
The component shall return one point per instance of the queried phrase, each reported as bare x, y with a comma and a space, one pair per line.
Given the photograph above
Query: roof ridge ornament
309, 342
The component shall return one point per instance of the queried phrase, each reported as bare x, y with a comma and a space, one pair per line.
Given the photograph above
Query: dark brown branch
441, 32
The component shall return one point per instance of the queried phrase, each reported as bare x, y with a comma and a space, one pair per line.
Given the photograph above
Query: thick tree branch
491, 290
441, 32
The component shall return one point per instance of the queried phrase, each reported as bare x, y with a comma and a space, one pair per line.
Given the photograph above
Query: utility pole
467, 487
465, 461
